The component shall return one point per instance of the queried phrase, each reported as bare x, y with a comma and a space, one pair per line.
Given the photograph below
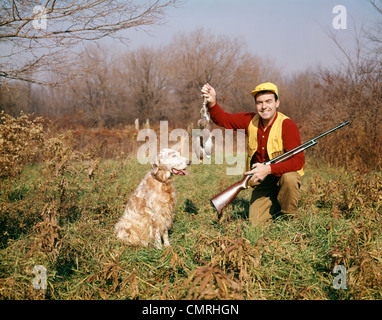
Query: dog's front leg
158, 241
166, 242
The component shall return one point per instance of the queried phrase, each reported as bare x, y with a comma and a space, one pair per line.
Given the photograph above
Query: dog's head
169, 162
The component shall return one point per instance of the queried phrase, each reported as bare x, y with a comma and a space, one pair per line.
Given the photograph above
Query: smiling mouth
265, 112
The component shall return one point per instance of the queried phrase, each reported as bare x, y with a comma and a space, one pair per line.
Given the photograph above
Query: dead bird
203, 146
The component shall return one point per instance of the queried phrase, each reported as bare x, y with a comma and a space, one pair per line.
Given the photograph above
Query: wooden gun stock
224, 198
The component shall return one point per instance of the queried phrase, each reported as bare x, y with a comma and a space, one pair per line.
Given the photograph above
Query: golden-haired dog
150, 209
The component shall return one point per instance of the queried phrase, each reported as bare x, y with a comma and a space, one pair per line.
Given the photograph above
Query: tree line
147, 83
112, 89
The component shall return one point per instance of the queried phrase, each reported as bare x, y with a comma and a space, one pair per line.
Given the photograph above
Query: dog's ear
154, 168
162, 175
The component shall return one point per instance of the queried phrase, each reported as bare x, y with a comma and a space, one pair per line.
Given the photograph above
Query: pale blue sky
289, 31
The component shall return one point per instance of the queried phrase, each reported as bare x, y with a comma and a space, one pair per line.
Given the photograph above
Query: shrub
20, 142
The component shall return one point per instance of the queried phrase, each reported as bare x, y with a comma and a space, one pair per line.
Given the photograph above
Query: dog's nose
188, 162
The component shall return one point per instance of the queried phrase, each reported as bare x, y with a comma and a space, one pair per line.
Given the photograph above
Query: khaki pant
274, 195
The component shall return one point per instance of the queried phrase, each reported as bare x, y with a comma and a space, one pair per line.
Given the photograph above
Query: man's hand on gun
259, 172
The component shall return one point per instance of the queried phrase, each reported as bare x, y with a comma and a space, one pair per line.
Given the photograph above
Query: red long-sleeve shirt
290, 135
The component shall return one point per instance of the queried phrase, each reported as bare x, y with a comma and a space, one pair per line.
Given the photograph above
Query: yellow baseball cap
266, 86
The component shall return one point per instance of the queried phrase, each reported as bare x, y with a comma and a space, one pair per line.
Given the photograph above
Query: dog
150, 209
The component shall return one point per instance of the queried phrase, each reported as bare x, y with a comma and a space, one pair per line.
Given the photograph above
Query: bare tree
374, 33
41, 37
298, 99
224, 62
93, 89
199, 58
145, 79
351, 91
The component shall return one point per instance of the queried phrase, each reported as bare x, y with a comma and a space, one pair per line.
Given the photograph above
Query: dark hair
266, 91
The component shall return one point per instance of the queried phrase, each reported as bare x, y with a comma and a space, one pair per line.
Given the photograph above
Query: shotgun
224, 198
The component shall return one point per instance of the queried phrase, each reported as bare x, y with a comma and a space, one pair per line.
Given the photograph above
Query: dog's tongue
180, 172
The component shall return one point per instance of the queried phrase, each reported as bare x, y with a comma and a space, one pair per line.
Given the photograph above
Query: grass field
62, 217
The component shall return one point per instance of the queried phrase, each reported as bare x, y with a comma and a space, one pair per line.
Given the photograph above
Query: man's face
266, 105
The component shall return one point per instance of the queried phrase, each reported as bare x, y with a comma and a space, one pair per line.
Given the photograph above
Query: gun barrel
331, 130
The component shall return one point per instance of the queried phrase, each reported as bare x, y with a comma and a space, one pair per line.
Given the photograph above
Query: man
275, 187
